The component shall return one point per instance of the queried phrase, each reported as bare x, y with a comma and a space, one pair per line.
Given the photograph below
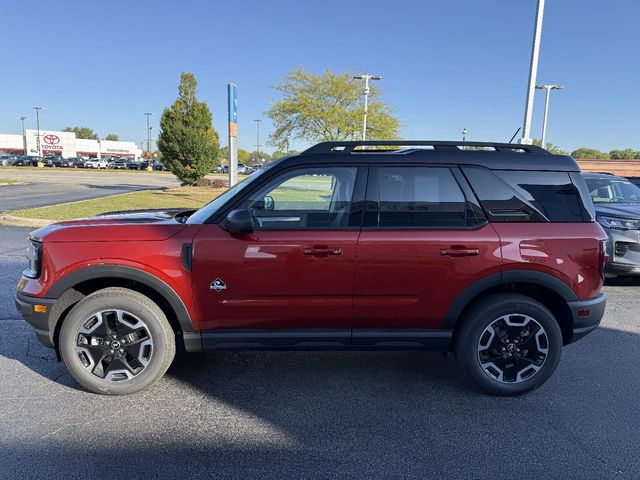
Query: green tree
589, 153
626, 154
327, 107
550, 147
112, 137
187, 140
82, 132
243, 155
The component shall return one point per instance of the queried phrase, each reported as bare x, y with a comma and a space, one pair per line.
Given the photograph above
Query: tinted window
527, 196
410, 197
304, 198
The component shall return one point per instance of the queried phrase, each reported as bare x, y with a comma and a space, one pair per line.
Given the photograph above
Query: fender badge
218, 285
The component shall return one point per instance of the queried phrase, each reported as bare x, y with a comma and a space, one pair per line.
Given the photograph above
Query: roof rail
351, 146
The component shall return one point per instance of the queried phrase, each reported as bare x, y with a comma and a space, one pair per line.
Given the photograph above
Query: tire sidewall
467, 349
152, 317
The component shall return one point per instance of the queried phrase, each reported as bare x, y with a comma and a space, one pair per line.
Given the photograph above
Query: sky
445, 65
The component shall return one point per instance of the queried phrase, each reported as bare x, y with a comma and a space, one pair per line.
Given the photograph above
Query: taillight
603, 257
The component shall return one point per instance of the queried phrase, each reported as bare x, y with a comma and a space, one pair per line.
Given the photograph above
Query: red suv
487, 250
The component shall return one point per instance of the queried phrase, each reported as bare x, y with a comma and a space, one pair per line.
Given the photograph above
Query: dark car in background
120, 164
61, 162
27, 161
617, 204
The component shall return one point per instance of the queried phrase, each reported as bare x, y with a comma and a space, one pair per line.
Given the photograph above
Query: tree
589, 153
626, 154
112, 137
187, 140
82, 132
327, 107
550, 147
243, 155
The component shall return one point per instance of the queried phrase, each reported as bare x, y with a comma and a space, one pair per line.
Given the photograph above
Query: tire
116, 341
487, 345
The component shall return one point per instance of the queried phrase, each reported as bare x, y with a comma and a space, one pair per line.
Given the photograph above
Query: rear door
424, 240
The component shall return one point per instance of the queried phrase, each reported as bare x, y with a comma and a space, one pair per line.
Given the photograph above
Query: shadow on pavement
358, 415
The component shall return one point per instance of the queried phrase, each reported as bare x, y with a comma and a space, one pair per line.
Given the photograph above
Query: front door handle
321, 251
459, 252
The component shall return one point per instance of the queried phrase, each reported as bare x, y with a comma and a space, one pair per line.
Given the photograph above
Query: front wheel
116, 341
508, 344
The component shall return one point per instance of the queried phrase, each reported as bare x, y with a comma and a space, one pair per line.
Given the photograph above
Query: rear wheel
508, 344
116, 341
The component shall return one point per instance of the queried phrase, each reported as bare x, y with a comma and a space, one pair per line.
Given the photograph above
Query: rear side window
527, 196
416, 197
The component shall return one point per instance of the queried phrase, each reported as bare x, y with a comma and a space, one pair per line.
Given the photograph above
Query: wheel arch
73, 287
550, 291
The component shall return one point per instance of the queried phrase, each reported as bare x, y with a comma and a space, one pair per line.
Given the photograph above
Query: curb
11, 221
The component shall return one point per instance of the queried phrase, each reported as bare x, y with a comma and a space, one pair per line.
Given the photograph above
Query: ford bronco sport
484, 249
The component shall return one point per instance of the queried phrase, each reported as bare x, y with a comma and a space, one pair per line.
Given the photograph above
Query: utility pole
148, 115
548, 88
24, 135
366, 78
533, 72
37, 109
464, 134
258, 137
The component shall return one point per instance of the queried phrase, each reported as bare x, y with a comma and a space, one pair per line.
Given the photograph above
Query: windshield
210, 208
613, 190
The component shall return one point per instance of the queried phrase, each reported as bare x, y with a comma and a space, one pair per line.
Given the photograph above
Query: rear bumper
38, 320
587, 315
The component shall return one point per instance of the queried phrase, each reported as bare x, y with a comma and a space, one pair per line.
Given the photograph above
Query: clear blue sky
445, 65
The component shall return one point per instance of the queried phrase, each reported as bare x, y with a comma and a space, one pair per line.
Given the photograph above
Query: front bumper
587, 315
38, 320
623, 248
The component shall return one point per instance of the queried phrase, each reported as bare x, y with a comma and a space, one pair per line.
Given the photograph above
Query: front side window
417, 197
304, 199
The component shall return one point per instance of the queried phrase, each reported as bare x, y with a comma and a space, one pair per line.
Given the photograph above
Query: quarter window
417, 197
305, 199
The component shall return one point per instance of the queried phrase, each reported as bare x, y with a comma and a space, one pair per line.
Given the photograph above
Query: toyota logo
51, 139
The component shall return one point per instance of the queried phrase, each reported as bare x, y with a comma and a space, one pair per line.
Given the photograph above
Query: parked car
27, 161
157, 165
78, 162
61, 162
7, 160
96, 163
120, 164
493, 254
617, 205
137, 164
220, 169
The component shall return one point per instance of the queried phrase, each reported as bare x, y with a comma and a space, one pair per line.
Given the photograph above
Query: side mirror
269, 203
239, 221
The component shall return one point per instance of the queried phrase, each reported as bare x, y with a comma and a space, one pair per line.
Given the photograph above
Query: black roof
497, 156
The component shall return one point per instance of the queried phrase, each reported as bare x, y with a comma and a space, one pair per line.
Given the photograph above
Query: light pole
37, 109
464, 134
366, 78
148, 115
24, 135
548, 88
258, 137
533, 72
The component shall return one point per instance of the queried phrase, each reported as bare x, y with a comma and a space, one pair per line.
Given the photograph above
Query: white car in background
96, 163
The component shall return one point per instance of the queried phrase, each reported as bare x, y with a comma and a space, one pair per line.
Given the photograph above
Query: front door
296, 270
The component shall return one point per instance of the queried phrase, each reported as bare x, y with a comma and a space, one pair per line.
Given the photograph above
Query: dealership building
65, 144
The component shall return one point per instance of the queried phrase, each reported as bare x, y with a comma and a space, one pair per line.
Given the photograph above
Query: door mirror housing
239, 222
269, 203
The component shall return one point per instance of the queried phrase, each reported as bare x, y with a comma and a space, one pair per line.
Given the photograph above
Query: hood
620, 210
128, 226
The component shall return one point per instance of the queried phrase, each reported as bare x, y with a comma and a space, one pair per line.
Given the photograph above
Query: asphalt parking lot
320, 414
52, 186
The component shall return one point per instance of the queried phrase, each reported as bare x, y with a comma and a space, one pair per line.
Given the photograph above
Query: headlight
34, 260
619, 223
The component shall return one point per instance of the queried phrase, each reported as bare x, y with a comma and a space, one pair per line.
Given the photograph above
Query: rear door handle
459, 252
321, 251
